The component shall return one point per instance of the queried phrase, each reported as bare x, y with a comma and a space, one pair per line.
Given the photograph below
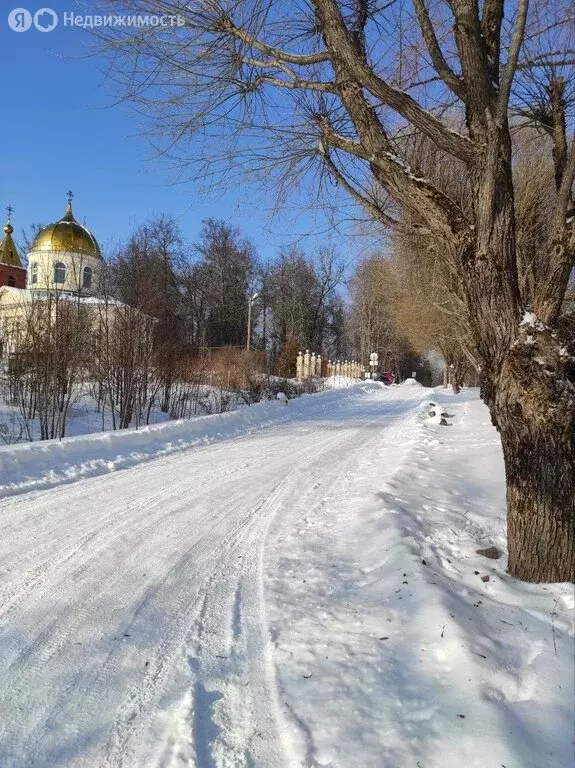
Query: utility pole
250, 304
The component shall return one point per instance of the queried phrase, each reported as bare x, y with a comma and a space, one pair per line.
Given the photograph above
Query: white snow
410, 383
40, 464
87, 417
530, 320
439, 416
281, 588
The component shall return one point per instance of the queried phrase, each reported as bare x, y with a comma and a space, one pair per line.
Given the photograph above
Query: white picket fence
311, 366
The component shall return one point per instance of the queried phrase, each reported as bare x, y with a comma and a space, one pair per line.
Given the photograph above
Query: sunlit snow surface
279, 586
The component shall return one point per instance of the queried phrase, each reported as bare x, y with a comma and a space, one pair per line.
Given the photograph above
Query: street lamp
250, 304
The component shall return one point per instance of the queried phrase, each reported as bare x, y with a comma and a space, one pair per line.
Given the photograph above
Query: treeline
200, 296
169, 328
168, 331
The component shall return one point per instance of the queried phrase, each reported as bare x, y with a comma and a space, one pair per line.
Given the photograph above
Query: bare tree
146, 274
373, 288
216, 284
27, 237
290, 287
305, 308
48, 339
328, 85
426, 305
122, 363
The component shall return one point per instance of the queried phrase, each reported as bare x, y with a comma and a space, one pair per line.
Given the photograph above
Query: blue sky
62, 129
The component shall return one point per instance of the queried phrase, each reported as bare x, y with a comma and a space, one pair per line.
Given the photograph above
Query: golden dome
67, 235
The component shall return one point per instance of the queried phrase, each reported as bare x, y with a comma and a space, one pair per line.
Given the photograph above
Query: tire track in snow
51, 638
112, 524
237, 688
131, 718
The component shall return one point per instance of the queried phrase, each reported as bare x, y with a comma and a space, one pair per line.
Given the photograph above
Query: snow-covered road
236, 604
133, 620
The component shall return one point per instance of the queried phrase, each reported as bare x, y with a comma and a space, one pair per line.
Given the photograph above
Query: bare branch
493, 11
374, 210
336, 140
226, 25
298, 85
474, 61
512, 59
442, 68
338, 39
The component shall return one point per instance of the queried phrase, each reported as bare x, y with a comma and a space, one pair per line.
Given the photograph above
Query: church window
59, 273
34, 273
87, 279
11, 280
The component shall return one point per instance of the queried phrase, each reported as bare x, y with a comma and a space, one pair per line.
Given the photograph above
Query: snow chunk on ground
530, 320
410, 383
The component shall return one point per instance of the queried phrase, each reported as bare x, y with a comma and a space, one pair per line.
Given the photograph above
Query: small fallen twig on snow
553, 614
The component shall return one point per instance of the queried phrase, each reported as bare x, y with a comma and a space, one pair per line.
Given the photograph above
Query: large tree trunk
534, 412
526, 385
539, 464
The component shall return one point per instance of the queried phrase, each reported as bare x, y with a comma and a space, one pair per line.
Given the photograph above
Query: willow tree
337, 87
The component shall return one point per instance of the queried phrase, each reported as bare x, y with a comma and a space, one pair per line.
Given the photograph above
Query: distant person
388, 377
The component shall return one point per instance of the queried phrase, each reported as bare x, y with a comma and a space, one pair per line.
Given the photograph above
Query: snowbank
37, 465
434, 413
397, 643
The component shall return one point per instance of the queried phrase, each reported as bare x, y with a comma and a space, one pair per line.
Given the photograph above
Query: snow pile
530, 321
410, 383
30, 466
436, 414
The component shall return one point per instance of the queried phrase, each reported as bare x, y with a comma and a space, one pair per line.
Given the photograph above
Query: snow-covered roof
27, 294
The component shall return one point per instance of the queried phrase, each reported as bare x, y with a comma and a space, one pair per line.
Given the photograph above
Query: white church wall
43, 276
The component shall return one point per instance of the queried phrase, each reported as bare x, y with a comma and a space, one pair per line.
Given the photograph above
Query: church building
64, 257
64, 262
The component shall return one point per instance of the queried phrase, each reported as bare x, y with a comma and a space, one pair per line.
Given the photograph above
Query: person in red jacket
388, 377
